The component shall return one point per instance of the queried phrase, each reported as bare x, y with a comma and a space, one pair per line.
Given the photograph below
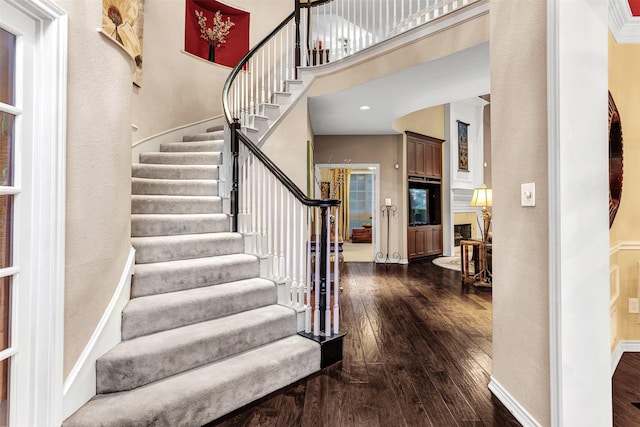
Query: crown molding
623, 25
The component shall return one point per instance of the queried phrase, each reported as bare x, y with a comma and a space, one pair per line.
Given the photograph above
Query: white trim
80, 385
624, 346
175, 129
152, 143
623, 25
628, 245
512, 405
553, 136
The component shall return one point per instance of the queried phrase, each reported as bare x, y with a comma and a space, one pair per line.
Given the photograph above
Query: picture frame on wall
463, 146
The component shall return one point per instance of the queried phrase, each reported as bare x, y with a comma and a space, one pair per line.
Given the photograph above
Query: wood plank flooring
417, 353
626, 391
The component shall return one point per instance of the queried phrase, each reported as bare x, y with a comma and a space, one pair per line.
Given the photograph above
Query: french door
17, 34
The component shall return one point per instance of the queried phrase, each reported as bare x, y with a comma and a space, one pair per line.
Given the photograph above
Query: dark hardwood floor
626, 391
417, 353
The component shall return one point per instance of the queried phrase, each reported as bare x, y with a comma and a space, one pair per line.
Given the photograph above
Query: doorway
360, 188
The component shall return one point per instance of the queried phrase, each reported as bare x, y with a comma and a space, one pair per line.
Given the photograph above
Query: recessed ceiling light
365, 107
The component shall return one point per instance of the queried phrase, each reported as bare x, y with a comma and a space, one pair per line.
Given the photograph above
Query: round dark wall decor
615, 160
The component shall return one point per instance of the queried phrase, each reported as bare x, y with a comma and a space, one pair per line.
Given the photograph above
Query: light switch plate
528, 194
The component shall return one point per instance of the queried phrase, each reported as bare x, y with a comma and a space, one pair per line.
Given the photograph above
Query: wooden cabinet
424, 156
424, 240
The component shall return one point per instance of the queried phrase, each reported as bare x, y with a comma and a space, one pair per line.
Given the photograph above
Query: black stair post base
330, 347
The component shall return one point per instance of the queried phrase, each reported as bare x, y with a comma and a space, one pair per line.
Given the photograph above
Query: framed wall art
463, 146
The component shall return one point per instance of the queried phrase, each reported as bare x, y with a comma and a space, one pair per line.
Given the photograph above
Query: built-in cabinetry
424, 175
424, 156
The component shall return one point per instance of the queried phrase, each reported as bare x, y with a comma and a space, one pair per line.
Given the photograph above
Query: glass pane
4, 392
7, 66
6, 230
5, 312
6, 148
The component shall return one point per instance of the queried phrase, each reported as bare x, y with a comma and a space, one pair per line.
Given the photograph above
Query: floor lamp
483, 197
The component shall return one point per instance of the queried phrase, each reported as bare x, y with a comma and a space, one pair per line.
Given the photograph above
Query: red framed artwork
236, 40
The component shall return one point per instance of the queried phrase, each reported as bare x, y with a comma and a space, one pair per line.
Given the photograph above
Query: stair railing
339, 28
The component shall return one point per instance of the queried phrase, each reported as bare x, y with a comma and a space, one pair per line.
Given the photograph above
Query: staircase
202, 334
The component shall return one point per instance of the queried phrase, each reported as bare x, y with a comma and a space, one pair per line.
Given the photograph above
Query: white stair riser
192, 146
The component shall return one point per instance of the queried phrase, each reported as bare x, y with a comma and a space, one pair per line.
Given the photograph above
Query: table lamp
482, 197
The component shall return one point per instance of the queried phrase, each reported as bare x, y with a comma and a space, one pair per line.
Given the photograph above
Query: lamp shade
482, 197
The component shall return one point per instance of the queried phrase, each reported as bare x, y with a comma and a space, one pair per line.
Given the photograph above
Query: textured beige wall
624, 61
289, 142
519, 153
429, 121
178, 88
98, 174
381, 149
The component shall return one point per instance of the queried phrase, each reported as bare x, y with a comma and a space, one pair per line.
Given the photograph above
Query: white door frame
375, 170
38, 399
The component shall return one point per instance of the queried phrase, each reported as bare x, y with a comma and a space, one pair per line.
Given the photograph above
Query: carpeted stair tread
156, 249
161, 204
176, 187
149, 170
181, 158
215, 128
198, 396
171, 276
150, 358
155, 313
143, 225
193, 146
206, 136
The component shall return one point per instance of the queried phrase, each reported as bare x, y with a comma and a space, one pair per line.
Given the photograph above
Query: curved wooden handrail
284, 179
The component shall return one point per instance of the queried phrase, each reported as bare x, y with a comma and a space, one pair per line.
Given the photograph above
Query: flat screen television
418, 208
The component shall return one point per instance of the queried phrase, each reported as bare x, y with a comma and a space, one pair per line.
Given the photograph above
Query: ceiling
462, 75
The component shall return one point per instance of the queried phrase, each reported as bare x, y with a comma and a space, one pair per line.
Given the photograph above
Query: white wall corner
80, 386
512, 405
624, 26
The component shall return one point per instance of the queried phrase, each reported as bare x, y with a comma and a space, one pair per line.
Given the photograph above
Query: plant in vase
217, 34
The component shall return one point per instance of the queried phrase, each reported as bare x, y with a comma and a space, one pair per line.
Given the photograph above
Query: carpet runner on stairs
202, 334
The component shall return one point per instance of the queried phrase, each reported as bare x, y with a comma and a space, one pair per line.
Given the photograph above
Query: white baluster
336, 280
316, 311
291, 255
307, 313
270, 217
327, 310
281, 265
276, 235
302, 252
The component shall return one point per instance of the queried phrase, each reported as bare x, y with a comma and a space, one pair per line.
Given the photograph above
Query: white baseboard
80, 386
512, 405
624, 346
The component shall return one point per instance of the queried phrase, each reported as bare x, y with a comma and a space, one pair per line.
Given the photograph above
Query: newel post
233, 196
